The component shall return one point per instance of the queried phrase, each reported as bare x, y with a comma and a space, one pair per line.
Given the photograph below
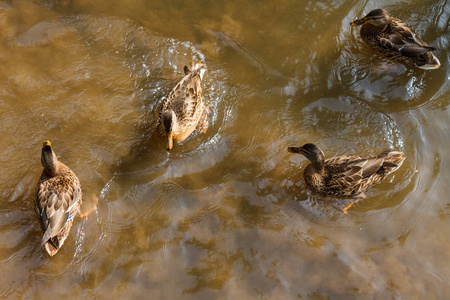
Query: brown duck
396, 40
57, 200
346, 176
183, 108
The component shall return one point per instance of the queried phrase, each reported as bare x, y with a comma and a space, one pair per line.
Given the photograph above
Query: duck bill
295, 149
358, 22
169, 141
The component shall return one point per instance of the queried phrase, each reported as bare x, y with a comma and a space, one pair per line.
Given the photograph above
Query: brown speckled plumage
57, 200
346, 176
396, 40
183, 107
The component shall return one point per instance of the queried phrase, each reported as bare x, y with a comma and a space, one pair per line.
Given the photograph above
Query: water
226, 214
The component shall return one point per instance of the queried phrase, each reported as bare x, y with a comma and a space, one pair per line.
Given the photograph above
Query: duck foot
383, 67
345, 209
91, 209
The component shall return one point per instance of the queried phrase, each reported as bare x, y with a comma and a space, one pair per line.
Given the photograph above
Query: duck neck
314, 176
318, 167
49, 161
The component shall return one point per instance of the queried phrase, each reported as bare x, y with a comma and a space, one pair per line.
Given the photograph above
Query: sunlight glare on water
226, 213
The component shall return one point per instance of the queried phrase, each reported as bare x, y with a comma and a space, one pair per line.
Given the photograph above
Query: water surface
226, 214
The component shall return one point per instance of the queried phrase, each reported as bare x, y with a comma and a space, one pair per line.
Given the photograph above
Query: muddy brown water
224, 215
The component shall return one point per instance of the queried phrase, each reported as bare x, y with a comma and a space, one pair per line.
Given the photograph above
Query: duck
346, 176
182, 109
57, 200
396, 40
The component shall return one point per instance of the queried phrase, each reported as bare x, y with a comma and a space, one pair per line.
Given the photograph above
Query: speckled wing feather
403, 38
353, 174
56, 201
186, 97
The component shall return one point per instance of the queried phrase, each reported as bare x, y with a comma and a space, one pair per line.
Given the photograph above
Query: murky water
225, 214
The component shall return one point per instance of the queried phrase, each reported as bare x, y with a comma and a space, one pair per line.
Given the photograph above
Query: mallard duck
183, 108
346, 176
396, 40
57, 200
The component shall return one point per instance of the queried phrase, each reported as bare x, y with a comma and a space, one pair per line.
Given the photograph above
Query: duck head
48, 159
169, 122
311, 152
379, 18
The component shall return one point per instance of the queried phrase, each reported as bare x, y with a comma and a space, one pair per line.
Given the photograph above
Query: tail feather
51, 248
195, 67
433, 62
393, 161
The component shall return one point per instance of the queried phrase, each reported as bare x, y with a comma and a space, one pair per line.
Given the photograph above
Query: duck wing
403, 38
185, 99
193, 95
354, 173
55, 198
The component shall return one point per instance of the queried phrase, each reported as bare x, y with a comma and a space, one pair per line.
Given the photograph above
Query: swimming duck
346, 176
57, 200
396, 40
183, 108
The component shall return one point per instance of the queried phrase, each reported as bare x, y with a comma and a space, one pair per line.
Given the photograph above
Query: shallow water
226, 214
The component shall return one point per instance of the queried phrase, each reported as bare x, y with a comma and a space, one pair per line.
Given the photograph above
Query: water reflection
227, 213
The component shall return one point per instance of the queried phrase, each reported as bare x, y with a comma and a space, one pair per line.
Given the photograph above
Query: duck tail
194, 67
51, 248
393, 161
433, 62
